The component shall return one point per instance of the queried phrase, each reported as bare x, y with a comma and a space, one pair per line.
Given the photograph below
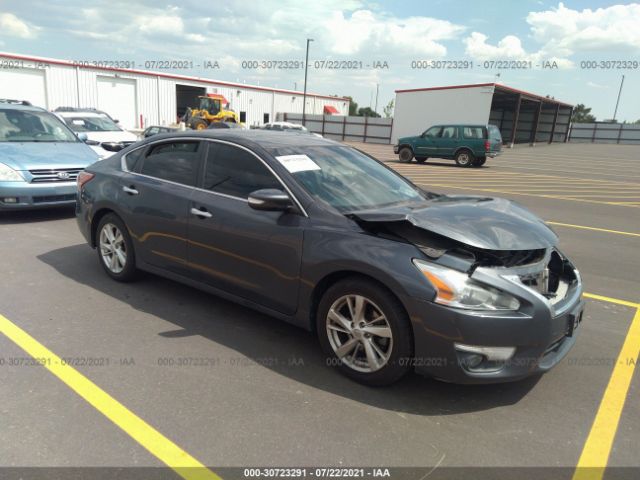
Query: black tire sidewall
129, 272
400, 360
405, 149
471, 158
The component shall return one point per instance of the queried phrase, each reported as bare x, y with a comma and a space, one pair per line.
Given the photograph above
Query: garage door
117, 97
24, 84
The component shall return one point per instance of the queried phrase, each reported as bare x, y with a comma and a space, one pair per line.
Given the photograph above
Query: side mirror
112, 146
270, 199
83, 136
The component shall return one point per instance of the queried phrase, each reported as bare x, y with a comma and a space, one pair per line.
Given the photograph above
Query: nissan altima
389, 276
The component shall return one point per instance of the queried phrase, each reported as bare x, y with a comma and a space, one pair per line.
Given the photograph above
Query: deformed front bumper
540, 335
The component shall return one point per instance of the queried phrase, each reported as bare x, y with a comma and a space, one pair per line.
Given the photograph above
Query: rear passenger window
473, 132
233, 171
174, 161
449, 132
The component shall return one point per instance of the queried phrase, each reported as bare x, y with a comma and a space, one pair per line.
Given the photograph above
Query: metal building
138, 98
522, 117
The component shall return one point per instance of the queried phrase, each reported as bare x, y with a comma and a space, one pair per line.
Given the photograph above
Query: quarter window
473, 132
173, 161
236, 172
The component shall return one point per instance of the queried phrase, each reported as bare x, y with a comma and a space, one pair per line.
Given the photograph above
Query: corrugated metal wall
72, 86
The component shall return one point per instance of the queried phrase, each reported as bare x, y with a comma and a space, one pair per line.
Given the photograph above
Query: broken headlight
456, 289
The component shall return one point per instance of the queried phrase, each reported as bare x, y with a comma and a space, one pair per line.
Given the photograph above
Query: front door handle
201, 213
130, 190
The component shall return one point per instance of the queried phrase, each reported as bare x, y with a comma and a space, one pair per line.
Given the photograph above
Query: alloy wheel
359, 333
113, 248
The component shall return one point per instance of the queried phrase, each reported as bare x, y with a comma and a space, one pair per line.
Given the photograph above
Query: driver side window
433, 132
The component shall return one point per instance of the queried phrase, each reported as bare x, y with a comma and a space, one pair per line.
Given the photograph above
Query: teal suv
468, 145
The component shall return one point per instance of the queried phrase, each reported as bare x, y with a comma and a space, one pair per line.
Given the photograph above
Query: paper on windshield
298, 163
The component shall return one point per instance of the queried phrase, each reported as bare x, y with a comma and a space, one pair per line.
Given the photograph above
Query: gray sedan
389, 277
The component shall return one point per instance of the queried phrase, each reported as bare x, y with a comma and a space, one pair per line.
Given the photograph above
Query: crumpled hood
481, 222
34, 155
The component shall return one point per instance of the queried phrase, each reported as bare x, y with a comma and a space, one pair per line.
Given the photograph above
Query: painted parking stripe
595, 229
157, 444
597, 448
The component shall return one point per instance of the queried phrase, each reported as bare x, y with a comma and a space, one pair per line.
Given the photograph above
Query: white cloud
12, 26
563, 31
364, 30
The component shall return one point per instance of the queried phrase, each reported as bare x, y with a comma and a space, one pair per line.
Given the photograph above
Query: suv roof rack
15, 102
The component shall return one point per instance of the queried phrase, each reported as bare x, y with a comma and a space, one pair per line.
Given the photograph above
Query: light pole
376, 109
615, 112
304, 94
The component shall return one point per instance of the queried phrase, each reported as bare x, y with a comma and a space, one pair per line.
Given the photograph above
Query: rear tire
464, 158
115, 249
421, 159
405, 155
365, 332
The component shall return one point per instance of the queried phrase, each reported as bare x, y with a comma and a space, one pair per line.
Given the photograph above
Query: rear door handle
130, 190
201, 213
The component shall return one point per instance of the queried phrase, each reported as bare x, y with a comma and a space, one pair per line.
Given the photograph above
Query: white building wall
62, 85
416, 111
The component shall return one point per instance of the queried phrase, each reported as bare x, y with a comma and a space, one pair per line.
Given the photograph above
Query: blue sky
396, 32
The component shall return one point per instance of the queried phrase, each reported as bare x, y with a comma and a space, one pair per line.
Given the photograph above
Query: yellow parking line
597, 448
596, 229
157, 444
617, 301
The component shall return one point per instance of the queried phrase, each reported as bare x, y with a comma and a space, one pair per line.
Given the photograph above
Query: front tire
464, 158
115, 249
365, 332
405, 155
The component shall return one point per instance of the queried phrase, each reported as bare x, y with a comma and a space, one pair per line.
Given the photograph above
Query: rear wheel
405, 155
115, 249
464, 158
421, 159
365, 331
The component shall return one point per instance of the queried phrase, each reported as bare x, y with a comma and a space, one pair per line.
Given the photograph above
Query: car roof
250, 138
81, 113
18, 106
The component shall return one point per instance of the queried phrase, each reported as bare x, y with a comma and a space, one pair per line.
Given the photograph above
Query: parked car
288, 127
390, 277
156, 129
102, 133
40, 158
468, 145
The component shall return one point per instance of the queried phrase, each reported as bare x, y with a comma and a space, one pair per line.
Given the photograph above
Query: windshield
345, 178
91, 124
31, 126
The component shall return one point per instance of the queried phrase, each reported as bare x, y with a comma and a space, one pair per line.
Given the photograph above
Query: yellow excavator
212, 108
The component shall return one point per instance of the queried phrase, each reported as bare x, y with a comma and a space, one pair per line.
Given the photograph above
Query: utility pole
304, 95
618, 100
376, 109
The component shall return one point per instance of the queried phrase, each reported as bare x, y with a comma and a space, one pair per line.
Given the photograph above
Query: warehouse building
139, 98
522, 117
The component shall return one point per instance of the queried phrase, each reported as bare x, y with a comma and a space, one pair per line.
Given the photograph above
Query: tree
388, 110
353, 107
367, 112
582, 114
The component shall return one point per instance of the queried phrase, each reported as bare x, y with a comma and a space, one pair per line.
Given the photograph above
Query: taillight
83, 178
487, 145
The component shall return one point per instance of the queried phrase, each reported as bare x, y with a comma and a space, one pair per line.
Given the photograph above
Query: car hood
481, 222
34, 155
119, 136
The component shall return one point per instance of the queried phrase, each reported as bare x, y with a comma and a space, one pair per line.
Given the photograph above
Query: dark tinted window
174, 161
131, 158
234, 171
